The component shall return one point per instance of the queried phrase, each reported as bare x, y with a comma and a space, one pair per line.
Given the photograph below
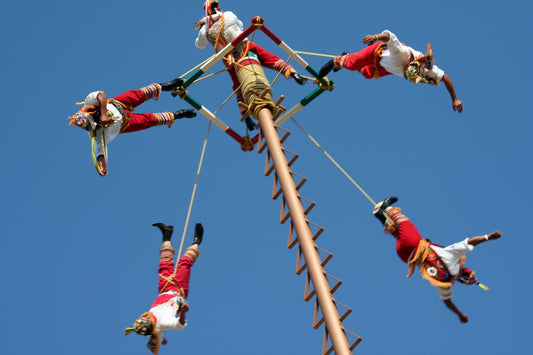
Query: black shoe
250, 123
198, 234
166, 230
326, 68
186, 113
380, 212
172, 85
298, 78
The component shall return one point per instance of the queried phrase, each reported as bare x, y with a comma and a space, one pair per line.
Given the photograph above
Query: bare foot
102, 165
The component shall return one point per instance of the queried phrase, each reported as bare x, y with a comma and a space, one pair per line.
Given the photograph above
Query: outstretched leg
133, 98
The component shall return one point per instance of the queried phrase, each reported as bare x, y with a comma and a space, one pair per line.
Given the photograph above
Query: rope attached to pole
335, 163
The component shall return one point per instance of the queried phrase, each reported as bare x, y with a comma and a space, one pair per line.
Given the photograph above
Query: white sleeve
231, 19
395, 46
201, 40
436, 73
92, 99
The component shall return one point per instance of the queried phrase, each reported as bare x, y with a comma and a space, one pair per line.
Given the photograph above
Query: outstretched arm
102, 102
451, 306
483, 238
457, 104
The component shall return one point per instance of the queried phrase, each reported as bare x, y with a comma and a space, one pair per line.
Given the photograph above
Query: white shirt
398, 55
450, 256
167, 316
111, 131
232, 28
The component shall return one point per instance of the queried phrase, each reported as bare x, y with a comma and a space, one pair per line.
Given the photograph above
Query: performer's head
142, 326
467, 276
416, 72
81, 118
210, 7
145, 325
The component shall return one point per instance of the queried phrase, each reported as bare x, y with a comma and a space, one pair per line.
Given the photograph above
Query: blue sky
79, 254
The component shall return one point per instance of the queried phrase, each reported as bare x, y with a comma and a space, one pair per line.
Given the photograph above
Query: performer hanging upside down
169, 308
106, 118
386, 55
220, 28
441, 266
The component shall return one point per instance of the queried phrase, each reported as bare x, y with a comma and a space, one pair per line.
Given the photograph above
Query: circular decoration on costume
432, 271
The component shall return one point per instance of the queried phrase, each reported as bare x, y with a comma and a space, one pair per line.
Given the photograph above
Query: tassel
485, 288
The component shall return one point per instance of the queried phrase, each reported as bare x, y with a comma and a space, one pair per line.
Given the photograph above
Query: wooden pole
334, 325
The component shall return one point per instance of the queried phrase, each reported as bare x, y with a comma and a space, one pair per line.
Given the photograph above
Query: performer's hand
457, 105
369, 39
106, 119
199, 24
287, 73
495, 235
463, 318
183, 309
102, 165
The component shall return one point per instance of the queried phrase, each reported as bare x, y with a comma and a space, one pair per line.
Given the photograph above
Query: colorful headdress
468, 277
141, 326
416, 71
81, 118
209, 5
145, 325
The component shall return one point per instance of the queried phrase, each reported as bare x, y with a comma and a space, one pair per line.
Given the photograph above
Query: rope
200, 163
171, 278
334, 162
198, 66
317, 54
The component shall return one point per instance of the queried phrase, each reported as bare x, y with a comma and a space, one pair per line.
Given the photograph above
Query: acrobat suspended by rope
106, 118
441, 266
169, 308
220, 28
386, 55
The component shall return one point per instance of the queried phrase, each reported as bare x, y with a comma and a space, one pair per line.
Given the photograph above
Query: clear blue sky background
79, 254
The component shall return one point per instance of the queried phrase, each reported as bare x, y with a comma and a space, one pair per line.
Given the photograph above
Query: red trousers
407, 239
363, 61
181, 278
139, 121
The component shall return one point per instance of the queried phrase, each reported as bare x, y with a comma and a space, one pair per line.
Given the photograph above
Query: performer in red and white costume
169, 308
220, 28
386, 55
106, 118
441, 266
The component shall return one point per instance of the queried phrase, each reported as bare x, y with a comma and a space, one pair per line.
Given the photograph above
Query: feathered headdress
145, 325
